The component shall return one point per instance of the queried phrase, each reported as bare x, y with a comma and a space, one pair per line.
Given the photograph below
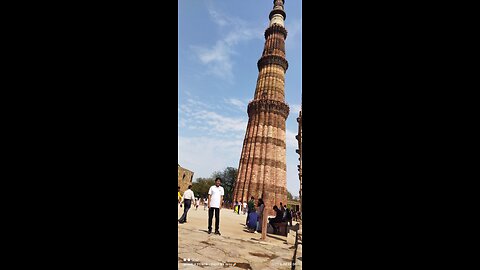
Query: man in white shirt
215, 202
188, 198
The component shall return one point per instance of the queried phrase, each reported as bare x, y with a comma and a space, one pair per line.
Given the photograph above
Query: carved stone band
268, 106
272, 59
266, 162
273, 123
268, 140
275, 28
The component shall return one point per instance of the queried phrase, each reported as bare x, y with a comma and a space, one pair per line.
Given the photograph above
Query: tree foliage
289, 195
229, 178
201, 186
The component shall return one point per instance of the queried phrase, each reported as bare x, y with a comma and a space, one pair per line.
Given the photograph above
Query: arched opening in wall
183, 177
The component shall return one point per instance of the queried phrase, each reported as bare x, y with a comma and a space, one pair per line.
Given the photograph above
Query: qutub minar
262, 171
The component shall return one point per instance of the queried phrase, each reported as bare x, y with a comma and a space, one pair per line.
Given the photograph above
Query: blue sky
219, 44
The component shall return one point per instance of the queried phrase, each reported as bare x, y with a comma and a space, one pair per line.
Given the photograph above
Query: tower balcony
276, 28
277, 11
272, 59
277, 107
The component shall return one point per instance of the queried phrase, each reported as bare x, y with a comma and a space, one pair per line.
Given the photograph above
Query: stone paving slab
210, 251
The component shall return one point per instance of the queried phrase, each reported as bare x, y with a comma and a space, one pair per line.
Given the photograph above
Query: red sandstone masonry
261, 173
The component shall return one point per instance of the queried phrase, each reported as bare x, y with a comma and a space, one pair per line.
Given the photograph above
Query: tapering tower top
277, 15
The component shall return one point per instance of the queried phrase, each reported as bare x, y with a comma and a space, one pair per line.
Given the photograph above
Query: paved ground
236, 248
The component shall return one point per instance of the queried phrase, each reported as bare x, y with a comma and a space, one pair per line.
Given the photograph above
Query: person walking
215, 201
205, 204
188, 198
244, 208
197, 203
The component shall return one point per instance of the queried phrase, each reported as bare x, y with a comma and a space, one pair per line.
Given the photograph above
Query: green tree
201, 186
229, 178
289, 195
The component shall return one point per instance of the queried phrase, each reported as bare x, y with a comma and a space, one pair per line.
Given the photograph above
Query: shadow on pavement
278, 238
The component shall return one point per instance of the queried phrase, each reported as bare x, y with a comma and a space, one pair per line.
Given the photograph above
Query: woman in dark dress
261, 206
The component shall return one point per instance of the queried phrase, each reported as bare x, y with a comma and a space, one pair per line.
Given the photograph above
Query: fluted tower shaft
262, 171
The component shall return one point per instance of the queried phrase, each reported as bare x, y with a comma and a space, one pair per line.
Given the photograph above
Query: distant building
293, 205
185, 178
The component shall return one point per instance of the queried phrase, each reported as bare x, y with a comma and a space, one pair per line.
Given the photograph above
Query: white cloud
291, 140
293, 183
237, 103
195, 102
294, 37
217, 18
218, 58
295, 109
241, 33
197, 115
222, 124
204, 155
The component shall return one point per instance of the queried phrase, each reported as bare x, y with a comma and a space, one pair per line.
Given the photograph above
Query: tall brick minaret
262, 168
